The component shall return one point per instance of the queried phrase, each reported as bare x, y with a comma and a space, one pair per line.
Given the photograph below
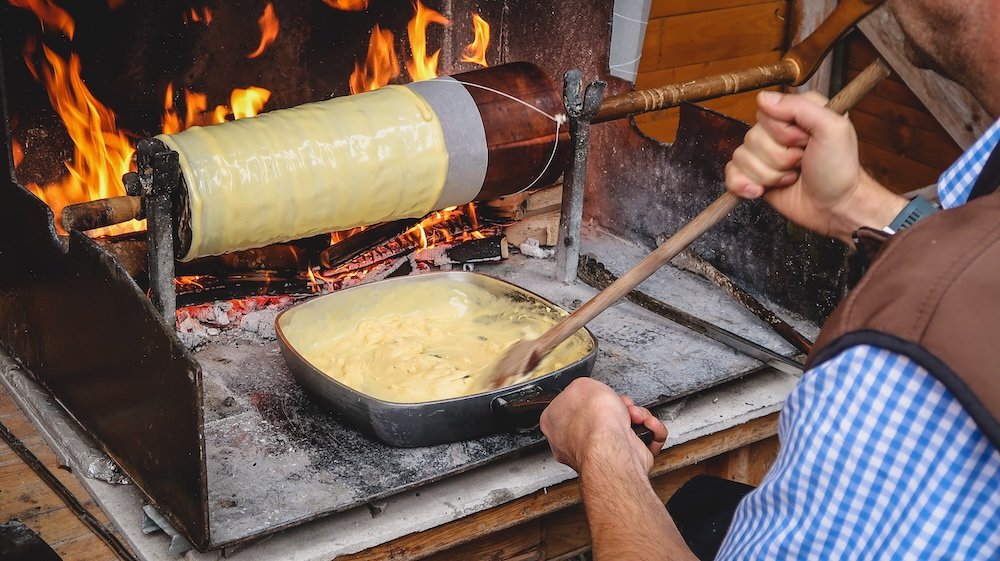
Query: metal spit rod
798, 64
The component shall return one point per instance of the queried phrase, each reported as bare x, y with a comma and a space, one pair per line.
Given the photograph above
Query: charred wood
492, 248
353, 246
411, 241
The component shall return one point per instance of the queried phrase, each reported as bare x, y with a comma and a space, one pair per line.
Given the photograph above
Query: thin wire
558, 119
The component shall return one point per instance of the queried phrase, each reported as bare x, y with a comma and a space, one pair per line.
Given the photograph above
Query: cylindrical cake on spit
397, 152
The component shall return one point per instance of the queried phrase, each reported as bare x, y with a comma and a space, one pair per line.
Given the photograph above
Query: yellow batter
311, 169
420, 341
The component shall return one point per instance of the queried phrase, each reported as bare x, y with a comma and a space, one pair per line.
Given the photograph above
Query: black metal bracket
159, 174
581, 107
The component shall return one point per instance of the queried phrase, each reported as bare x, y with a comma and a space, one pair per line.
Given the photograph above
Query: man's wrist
916, 210
871, 206
612, 447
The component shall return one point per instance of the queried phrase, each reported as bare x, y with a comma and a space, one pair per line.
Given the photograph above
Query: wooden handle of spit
719, 209
798, 64
101, 212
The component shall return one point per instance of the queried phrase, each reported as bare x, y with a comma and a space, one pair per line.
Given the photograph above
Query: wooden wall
687, 39
901, 143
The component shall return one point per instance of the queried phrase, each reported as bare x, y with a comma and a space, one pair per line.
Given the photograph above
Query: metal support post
580, 112
159, 172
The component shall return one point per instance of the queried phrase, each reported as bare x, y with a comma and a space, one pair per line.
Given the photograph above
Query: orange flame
422, 67
470, 211
171, 122
101, 155
191, 280
268, 30
348, 5
245, 103
380, 66
475, 52
248, 102
205, 15
194, 105
30, 47
314, 285
115, 4
17, 152
48, 14
219, 114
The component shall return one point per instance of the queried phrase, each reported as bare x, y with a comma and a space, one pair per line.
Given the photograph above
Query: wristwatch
917, 209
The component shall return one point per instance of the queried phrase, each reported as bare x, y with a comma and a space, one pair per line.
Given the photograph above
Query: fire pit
201, 412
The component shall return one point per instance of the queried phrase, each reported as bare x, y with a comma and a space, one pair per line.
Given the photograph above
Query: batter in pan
424, 341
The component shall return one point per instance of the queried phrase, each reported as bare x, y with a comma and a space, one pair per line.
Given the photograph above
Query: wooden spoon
525, 355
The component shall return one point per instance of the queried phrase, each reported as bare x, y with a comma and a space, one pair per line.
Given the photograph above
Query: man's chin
923, 61
917, 57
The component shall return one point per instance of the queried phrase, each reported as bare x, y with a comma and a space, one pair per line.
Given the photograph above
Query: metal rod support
580, 112
159, 171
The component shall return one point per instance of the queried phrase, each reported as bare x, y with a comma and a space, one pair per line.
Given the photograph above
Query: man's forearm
626, 518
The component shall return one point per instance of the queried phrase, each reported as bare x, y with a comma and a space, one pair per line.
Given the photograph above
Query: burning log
194, 290
412, 240
130, 251
476, 250
492, 248
276, 257
384, 269
347, 249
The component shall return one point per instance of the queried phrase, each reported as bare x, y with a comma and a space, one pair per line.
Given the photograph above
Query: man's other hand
803, 159
589, 421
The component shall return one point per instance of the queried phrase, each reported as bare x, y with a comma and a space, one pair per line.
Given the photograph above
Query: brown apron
933, 295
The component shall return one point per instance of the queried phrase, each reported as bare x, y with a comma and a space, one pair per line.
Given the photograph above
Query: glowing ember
381, 64
48, 14
475, 52
193, 280
115, 4
268, 30
422, 66
102, 153
348, 5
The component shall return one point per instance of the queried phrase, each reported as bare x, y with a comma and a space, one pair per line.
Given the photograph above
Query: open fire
103, 151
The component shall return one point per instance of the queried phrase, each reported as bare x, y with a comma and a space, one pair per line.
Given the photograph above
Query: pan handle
521, 409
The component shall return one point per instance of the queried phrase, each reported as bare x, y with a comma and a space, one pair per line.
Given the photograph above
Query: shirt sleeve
955, 184
878, 460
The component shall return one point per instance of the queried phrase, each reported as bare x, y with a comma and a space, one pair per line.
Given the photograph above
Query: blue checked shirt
878, 459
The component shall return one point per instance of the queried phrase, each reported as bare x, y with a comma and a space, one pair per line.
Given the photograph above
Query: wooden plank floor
25, 497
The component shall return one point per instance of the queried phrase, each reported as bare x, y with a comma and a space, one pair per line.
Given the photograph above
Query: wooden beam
808, 14
957, 111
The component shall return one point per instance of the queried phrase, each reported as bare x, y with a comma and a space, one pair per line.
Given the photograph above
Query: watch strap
915, 211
